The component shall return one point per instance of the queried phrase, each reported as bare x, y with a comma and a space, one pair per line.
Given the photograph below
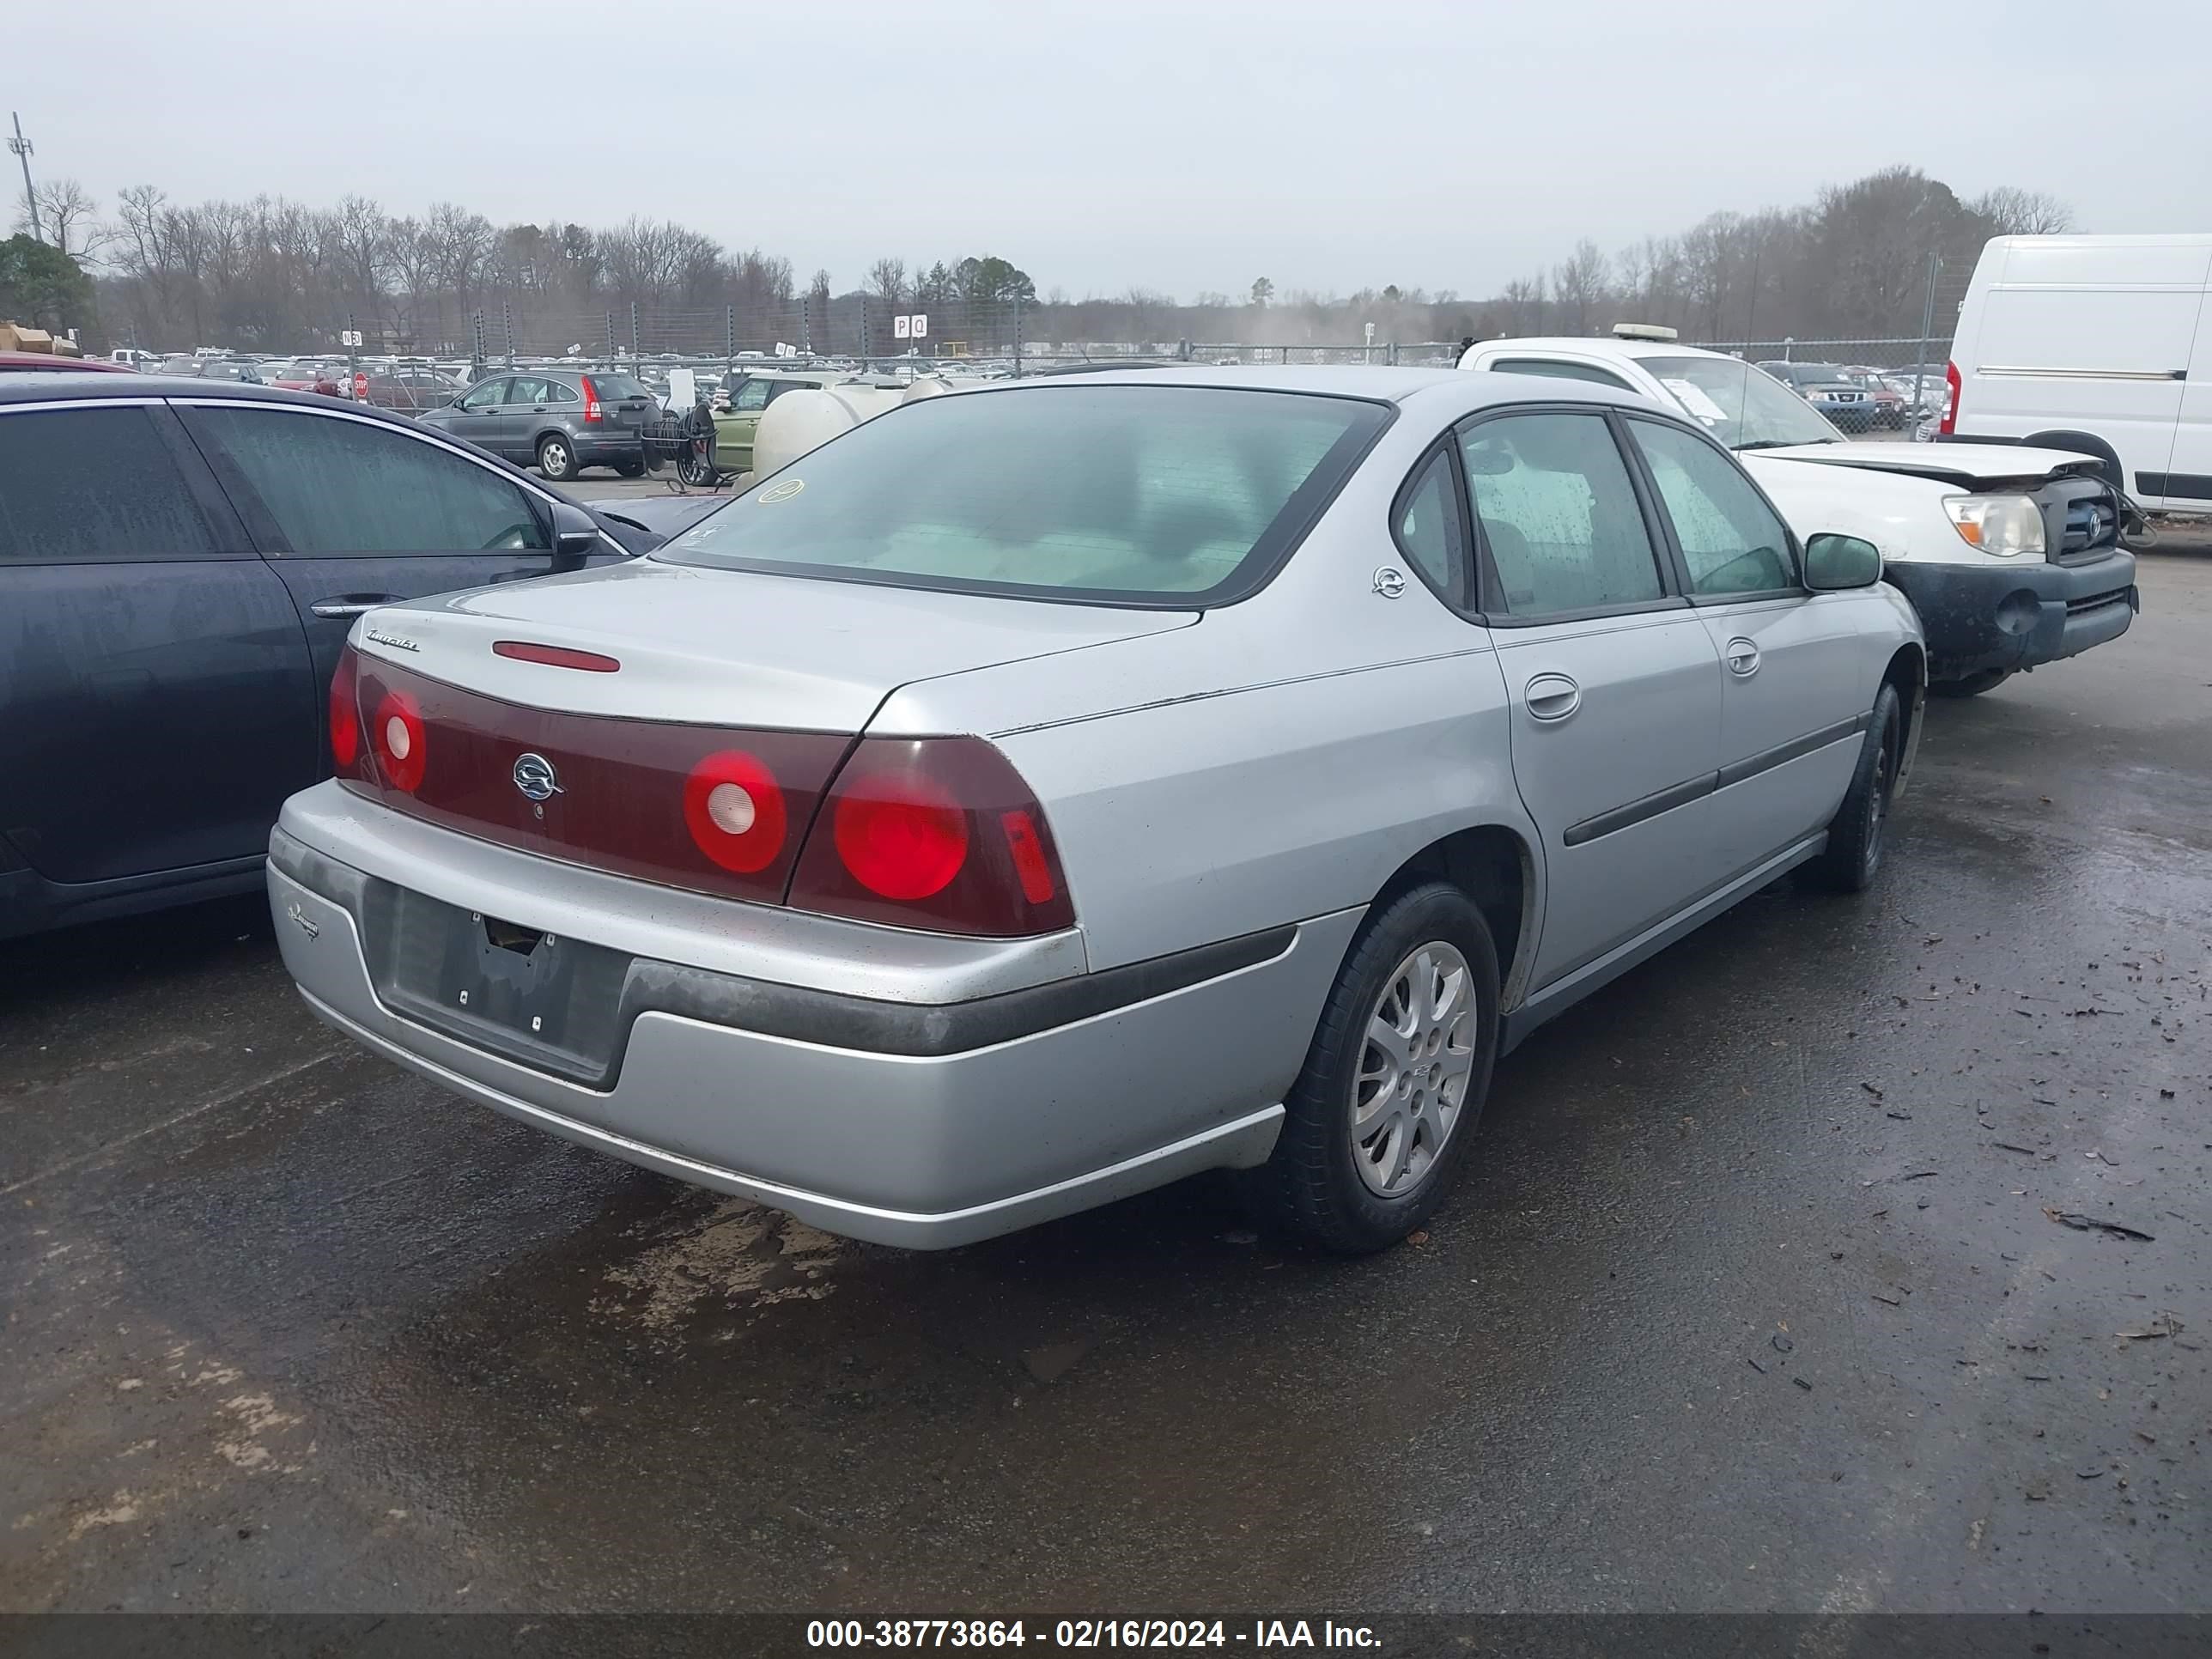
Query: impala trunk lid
726, 647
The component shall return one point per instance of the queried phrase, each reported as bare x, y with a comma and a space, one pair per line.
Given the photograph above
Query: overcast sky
1180, 147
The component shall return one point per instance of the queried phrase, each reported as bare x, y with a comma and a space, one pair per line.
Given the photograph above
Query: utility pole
1927, 328
21, 146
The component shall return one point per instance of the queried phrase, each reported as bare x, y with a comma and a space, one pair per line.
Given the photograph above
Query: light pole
21, 146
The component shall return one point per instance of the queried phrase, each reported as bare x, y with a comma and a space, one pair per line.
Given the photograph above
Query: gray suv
559, 421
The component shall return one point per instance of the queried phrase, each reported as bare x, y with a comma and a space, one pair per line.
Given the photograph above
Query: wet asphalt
1754, 1299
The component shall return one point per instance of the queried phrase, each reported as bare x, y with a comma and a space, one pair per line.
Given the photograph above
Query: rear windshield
613, 388
1120, 493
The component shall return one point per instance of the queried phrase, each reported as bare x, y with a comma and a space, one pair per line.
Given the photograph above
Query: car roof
1605, 346
54, 361
1434, 388
142, 388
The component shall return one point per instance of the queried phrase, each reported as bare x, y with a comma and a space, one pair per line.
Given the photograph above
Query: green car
751, 391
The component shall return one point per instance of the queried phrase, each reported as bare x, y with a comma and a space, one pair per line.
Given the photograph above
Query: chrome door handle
1742, 658
1551, 696
351, 605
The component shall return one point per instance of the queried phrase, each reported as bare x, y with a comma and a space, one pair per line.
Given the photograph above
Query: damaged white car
2011, 555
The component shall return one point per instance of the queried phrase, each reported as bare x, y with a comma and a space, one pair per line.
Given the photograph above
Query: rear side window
1429, 526
1123, 493
332, 485
93, 485
1552, 369
1559, 515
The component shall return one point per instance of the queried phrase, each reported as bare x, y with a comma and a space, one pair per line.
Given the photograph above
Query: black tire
631, 469
556, 458
1856, 835
1970, 685
1311, 1185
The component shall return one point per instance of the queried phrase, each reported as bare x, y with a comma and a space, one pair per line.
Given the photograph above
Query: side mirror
575, 536
1833, 562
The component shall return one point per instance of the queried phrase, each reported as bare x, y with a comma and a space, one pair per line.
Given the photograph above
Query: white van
2101, 344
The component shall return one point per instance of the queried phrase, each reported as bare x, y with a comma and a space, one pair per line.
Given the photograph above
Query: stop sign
360, 387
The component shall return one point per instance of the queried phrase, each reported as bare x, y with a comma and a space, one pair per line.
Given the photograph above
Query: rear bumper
2016, 616
606, 448
870, 1118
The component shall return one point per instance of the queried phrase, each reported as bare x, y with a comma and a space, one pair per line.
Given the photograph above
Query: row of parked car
1858, 398
1046, 789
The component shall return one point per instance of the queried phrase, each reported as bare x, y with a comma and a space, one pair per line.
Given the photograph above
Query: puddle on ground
736, 1257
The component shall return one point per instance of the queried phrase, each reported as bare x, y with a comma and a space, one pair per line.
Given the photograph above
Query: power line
21, 146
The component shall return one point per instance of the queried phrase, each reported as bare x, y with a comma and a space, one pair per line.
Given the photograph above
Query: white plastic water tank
800, 421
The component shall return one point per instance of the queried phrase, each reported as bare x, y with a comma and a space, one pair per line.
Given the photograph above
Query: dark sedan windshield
1118, 493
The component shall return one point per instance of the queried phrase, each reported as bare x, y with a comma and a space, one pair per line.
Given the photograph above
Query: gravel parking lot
1849, 1256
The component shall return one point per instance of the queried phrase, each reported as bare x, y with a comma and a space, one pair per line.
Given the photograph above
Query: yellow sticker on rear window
782, 492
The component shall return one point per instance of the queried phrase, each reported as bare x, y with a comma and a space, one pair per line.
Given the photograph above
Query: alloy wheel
1415, 1062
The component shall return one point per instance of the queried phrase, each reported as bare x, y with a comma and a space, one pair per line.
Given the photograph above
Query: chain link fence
1005, 337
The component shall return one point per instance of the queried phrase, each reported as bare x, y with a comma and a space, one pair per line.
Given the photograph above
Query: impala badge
307, 926
534, 776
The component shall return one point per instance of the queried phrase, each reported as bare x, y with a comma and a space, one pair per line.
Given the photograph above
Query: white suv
2012, 555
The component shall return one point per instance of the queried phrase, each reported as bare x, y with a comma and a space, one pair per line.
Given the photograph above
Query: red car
311, 374
48, 362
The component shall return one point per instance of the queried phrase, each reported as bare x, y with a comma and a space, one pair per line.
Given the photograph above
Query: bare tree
2010, 211
1578, 284
64, 211
364, 247
887, 282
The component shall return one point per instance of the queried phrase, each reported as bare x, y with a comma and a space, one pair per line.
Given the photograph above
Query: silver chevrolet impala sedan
1044, 792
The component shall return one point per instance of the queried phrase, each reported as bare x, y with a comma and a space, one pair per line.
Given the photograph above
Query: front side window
489, 396
752, 395
1124, 494
1429, 527
1552, 368
1730, 539
338, 486
1558, 513
93, 485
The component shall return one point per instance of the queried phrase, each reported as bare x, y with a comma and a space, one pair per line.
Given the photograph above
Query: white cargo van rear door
2079, 335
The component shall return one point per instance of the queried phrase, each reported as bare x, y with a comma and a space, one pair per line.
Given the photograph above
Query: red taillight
555, 656
345, 717
938, 833
591, 401
1950, 421
402, 750
654, 800
1029, 865
734, 810
900, 838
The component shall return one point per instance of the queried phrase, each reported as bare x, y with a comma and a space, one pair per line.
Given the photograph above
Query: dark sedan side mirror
1834, 563
575, 536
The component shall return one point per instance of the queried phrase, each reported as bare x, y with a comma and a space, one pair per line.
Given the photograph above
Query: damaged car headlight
2003, 524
